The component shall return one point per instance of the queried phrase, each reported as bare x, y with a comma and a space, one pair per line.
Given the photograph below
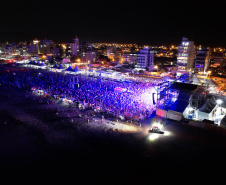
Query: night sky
160, 22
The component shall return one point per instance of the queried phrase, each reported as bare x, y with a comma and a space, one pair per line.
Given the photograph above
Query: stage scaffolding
165, 95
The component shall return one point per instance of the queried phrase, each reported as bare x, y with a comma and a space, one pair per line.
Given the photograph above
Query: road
39, 147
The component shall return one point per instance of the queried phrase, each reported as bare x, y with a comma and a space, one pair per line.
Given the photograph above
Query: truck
156, 128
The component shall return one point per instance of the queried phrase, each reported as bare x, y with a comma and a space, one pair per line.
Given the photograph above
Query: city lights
129, 62
119, 92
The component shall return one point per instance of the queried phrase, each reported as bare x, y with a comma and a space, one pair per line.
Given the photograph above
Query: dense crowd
91, 91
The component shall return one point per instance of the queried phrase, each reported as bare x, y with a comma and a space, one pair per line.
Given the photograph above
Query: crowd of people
94, 92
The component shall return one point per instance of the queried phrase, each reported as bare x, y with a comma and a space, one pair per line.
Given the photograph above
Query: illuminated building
85, 46
185, 56
32, 49
113, 53
118, 54
35, 43
56, 52
21, 48
165, 61
45, 46
145, 58
72, 48
130, 58
75, 46
202, 61
9, 49
89, 56
112, 56
218, 59
109, 50
126, 49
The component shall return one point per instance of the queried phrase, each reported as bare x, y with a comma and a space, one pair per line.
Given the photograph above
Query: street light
156, 67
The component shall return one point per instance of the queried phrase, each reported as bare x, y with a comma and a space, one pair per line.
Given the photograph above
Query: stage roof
183, 86
185, 91
179, 106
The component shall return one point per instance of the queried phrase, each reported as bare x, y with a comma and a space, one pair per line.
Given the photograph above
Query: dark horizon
147, 22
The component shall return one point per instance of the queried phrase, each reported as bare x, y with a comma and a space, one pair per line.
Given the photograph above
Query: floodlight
219, 101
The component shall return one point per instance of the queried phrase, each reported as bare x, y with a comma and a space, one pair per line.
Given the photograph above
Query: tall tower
145, 58
186, 55
36, 43
75, 46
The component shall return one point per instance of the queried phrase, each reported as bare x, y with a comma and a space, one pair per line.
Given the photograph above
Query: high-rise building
218, 58
185, 56
85, 46
89, 56
202, 60
45, 46
56, 52
35, 43
130, 58
145, 58
32, 49
74, 46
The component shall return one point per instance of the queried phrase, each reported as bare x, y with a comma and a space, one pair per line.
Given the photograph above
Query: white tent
211, 82
196, 80
117, 66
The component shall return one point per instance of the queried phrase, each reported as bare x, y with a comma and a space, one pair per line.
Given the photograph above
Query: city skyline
147, 22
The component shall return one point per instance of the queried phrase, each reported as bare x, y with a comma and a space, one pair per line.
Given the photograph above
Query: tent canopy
75, 69
42, 64
55, 66
61, 67
211, 82
118, 65
69, 68
196, 80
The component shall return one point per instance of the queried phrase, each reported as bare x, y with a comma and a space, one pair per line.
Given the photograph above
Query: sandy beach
38, 146
34, 136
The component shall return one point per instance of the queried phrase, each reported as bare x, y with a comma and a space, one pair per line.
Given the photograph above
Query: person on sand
94, 118
102, 119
